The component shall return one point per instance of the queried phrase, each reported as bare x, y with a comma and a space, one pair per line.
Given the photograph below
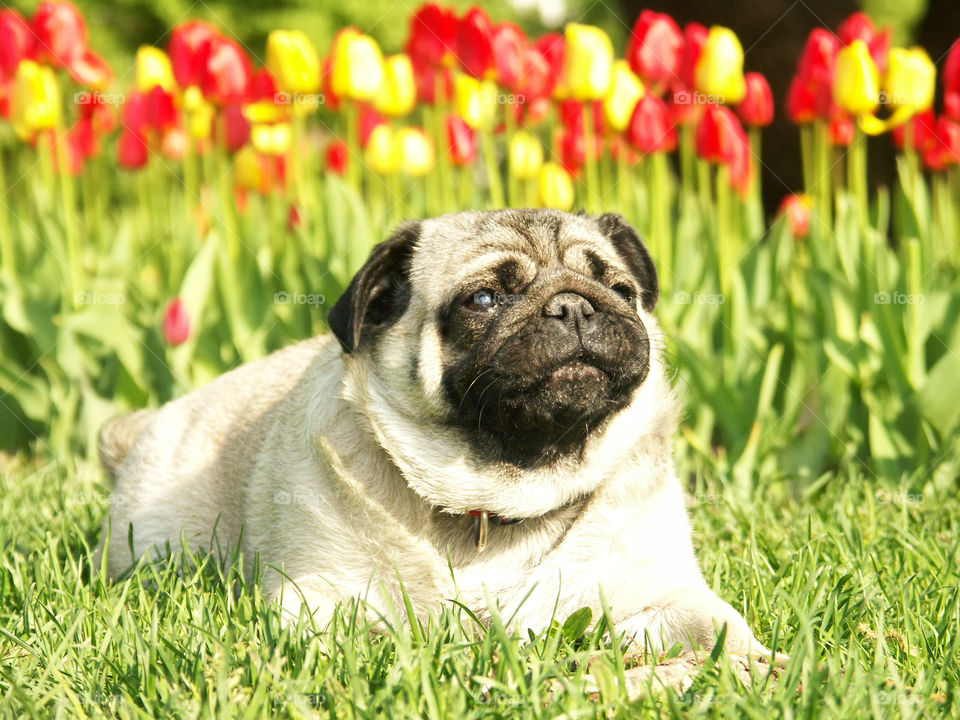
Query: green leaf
576, 625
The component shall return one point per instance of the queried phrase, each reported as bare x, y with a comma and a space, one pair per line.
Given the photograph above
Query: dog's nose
568, 306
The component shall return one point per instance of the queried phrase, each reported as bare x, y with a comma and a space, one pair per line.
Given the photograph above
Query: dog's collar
481, 525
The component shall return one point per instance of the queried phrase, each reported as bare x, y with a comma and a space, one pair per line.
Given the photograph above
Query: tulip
625, 90
338, 155
90, 69
36, 100
154, 69
651, 129
719, 69
526, 155
475, 44
61, 33
509, 54
174, 144
187, 40
398, 93
236, 126
911, 80
572, 146
718, 135
266, 104
176, 323
433, 36
249, 173
271, 139
859, 26
416, 155
945, 151
555, 186
160, 110
588, 62
357, 66
801, 102
756, 108
951, 82
433, 83
475, 100
17, 42
552, 48
463, 141
856, 83
842, 131
379, 153
293, 61
655, 49
132, 150
923, 131
226, 71
694, 38
819, 58
369, 119
796, 209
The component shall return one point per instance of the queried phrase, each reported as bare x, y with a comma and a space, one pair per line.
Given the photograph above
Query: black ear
379, 293
628, 244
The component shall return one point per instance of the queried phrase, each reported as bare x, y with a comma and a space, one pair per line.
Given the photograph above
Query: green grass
856, 579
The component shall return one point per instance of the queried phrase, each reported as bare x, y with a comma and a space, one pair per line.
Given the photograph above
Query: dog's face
525, 328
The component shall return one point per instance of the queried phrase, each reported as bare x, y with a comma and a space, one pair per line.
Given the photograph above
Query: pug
490, 420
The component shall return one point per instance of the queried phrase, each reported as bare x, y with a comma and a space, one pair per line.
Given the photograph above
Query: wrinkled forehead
462, 244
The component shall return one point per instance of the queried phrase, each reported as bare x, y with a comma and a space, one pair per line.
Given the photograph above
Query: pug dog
489, 421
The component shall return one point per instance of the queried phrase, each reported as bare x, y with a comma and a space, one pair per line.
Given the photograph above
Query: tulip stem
755, 207
687, 158
806, 157
7, 247
916, 362
590, 156
353, 143
824, 193
68, 198
723, 222
513, 188
191, 193
660, 214
857, 176
493, 170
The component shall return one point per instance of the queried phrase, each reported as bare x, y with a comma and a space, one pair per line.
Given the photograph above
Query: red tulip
801, 102
859, 26
842, 131
186, 42
17, 42
924, 128
509, 54
655, 50
651, 128
694, 37
84, 138
718, 135
951, 82
160, 110
551, 48
431, 81
132, 151
176, 323
796, 209
338, 155
294, 218
90, 69
811, 93
236, 125
99, 113
263, 86
134, 113
369, 120
61, 33
572, 145
433, 35
536, 78
742, 166
225, 71
946, 150
463, 141
475, 44
330, 99
756, 108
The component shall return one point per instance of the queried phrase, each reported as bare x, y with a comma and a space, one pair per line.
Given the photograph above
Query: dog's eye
627, 292
482, 301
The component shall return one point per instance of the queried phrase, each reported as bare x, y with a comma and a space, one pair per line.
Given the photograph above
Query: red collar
481, 525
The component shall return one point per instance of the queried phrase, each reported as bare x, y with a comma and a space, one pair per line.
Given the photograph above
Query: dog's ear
627, 243
379, 293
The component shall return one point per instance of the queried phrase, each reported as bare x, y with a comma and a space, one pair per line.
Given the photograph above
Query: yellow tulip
293, 61
271, 139
248, 171
626, 89
380, 154
35, 99
193, 99
526, 155
416, 156
475, 100
856, 83
911, 79
588, 62
719, 69
398, 93
556, 188
154, 68
200, 119
357, 66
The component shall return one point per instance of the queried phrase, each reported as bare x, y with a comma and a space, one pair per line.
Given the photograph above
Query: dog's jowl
492, 398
